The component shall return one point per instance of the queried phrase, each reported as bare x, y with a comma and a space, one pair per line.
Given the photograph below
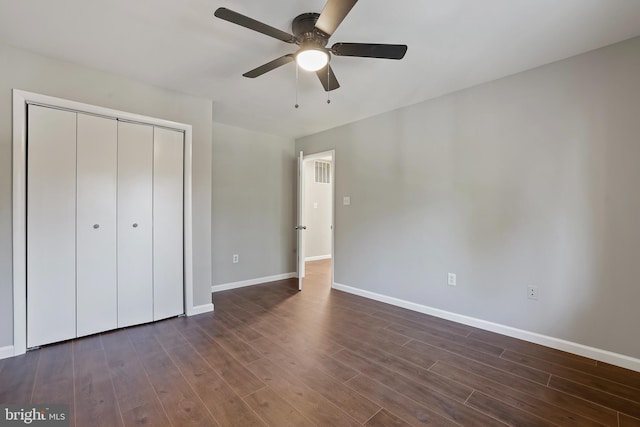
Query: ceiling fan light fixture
312, 59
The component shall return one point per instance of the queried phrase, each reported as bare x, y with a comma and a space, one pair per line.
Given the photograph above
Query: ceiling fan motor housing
307, 35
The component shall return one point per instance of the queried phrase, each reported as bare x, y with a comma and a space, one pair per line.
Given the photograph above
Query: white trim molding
7, 351
317, 258
557, 343
20, 101
251, 282
201, 309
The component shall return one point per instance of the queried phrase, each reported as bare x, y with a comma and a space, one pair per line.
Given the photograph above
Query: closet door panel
96, 224
135, 226
51, 226
167, 223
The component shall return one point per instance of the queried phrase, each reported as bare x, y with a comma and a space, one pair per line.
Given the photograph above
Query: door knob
135, 225
96, 225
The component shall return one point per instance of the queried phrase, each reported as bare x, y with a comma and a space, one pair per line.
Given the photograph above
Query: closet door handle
135, 225
96, 226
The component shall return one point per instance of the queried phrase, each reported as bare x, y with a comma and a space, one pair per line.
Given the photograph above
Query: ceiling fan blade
329, 81
252, 24
269, 66
333, 14
370, 50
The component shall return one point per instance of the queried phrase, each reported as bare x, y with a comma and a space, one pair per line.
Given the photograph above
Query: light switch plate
346, 200
451, 279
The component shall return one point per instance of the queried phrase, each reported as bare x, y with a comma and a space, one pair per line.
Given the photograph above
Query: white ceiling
178, 44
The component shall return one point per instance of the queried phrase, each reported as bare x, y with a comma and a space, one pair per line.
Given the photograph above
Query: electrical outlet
236, 258
532, 292
451, 279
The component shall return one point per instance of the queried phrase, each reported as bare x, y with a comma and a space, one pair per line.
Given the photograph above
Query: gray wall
317, 218
528, 180
34, 73
254, 185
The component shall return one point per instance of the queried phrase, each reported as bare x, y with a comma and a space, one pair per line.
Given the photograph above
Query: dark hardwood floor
271, 355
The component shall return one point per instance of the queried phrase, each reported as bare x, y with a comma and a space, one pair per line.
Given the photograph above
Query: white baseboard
6, 351
200, 309
317, 258
251, 282
557, 343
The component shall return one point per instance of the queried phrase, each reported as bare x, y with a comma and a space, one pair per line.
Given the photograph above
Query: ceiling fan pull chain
328, 84
297, 85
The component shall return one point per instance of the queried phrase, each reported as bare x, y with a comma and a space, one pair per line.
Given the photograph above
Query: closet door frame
19, 192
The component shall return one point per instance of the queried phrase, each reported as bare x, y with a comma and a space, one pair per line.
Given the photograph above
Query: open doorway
317, 176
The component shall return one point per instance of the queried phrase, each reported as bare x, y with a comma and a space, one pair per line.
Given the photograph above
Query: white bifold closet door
135, 224
104, 224
97, 162
51, 226
168, 273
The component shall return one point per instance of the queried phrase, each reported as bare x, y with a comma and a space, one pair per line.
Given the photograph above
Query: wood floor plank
144, 340
427, 395
11, 380
95, 399
627, 421
605, 399
271, 343
293, 334
54, 378
385, 418
433, 324
407, 409
424, 336
87, 344
290, 332
181, 404
147, 414
495, 362
594, 411
246, 332
379, 371
617, 374
166, 334
139, 404
307, 401
224, 404
504, 412
367, 332
241, 380
228, 340
526, 402
598, 383
275, 410
541, 352
332, 389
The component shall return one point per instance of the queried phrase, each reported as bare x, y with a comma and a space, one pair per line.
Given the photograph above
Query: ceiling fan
311, 31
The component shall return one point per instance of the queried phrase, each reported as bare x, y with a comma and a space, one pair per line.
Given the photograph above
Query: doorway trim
318, 156
19, 196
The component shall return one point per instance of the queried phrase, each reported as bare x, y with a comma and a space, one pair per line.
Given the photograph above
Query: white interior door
96, 304
97, 150
135, 224
300, 227
168, 273
51, 226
